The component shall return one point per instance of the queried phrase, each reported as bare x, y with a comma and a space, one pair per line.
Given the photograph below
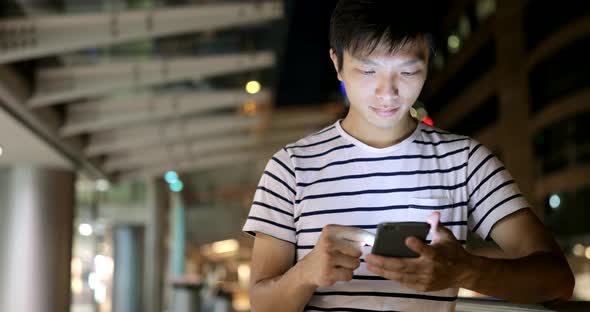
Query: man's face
382, 87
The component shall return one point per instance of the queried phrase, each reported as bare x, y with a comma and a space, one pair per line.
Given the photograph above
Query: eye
409, 74
367, 72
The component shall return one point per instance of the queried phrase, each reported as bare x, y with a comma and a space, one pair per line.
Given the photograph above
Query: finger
444, 234
434, 220
392, 264
420, 247
438, 231
354, 234
404, 278
344, 261
349, 248
341, 274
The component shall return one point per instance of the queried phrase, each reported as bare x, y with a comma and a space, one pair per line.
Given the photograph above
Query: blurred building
514, 75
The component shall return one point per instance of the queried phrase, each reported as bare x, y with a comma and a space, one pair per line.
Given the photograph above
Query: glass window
562, 144
480, 63
560, 74
478, 119
543, 18
565, 212
484, 8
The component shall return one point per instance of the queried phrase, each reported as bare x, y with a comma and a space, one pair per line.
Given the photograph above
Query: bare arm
277, 282
274, 280
538, 271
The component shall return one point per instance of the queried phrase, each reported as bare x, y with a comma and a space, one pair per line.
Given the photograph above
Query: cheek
411, 89
359, 88
366, 86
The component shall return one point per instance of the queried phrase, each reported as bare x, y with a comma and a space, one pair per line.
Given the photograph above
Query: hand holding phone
391, 238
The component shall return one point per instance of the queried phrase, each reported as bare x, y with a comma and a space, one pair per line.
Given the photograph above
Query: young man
320, 199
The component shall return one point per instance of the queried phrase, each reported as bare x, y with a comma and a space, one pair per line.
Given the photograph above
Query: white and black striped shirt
332, 178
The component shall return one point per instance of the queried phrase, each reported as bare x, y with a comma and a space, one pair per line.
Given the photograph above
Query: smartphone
391, 237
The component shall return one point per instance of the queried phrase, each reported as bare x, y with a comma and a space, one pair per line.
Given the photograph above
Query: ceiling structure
127, 89
21, 147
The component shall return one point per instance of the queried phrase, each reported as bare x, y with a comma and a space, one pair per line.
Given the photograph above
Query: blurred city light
587, 254
224, 246
103, 266
464, 26
244, 274
76, 266
253, 87
85, 229
1, 150
484, 8
93, 280
454, 43
171, 177
77, 285
578, 250
100, 293
421, 113
554, 201
241, 302
176, 186
250, 107
102, 185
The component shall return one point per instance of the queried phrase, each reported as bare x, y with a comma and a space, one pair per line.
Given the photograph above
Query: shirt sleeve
272, 211
493, 193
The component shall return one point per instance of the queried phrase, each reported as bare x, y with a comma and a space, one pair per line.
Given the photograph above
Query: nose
387, 88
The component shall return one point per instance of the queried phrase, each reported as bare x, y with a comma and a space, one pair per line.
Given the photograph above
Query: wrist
305, 273
470, 272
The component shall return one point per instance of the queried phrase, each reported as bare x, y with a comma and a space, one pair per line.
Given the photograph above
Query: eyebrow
406, 63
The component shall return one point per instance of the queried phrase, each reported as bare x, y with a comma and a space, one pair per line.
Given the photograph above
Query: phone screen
391, 237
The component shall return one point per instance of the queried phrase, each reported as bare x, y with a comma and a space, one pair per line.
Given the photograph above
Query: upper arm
522, 233
271, 257
492, 193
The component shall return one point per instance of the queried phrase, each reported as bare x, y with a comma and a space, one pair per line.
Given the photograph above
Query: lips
385, 111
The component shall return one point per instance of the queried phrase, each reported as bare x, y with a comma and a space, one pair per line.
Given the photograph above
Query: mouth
385, 111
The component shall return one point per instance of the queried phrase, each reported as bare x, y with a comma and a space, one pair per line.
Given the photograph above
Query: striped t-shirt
332, 178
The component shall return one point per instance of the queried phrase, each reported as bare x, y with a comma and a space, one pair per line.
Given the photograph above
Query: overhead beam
113, 114
36, 36
13, 92
145, 157
59, 85
211, 162
166, 155
166, 133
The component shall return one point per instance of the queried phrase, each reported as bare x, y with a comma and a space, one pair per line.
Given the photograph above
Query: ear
334, 58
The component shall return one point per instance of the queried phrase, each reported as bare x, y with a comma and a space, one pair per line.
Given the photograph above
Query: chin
383, 123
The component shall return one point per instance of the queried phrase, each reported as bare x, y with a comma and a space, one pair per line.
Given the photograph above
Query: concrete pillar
158, 203
128, 276
513, 93
36, 225
177, 252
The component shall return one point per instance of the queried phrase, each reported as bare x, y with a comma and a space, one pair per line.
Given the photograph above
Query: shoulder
434, 135
328, 136
305, 145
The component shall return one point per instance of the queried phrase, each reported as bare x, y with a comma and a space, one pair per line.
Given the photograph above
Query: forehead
415, 50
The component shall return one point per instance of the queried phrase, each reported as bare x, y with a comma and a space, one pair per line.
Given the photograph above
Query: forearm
290, 291
536, 278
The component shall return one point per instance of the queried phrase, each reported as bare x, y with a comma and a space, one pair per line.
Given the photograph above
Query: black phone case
391, 237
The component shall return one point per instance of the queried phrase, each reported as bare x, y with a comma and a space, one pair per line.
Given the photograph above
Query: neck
379, 137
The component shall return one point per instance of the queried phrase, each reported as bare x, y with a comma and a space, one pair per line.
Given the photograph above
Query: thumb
434, 220
438, 231
356, 235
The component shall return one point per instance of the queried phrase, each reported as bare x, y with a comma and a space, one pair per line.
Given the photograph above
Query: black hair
360, 26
